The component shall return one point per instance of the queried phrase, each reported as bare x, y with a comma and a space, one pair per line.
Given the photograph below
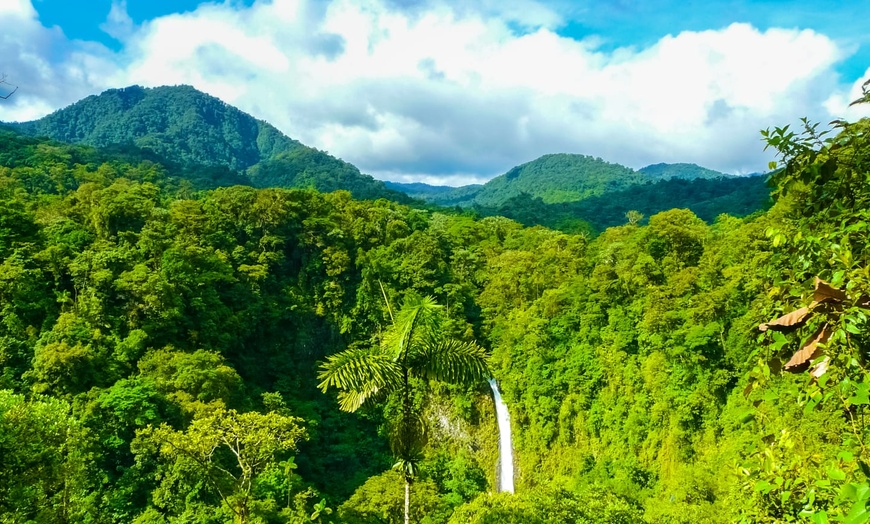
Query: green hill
558, 178
581, 193
176, 122
185, 127
706, 198
554, 178
441, 195
684, 171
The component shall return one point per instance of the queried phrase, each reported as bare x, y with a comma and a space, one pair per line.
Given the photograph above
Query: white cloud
49, 70
838, 104
118, 25
437, 91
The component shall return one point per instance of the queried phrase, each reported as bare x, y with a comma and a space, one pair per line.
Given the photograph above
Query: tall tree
412, 351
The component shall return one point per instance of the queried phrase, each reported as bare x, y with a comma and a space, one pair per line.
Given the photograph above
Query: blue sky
82, 20
455, 92
643, 22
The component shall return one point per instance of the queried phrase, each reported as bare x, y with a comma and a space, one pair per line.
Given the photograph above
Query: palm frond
417, 319
451, 360
360, 374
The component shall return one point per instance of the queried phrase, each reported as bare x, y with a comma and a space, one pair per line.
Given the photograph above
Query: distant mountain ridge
555, 179
684, 171
584, 193
209, 143
185, 126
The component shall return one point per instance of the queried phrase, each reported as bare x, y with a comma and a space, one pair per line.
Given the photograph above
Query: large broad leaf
809, 350
788, 322
826, 293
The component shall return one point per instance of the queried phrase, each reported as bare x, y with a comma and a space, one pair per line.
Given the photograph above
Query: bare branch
14, 87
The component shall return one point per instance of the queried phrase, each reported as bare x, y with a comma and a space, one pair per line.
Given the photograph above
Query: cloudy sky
454, 91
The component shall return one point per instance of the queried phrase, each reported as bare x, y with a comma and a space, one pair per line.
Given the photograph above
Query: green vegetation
210, 144
580, 194
160, 347
413, 351
706, 198
684, 171
553, 178
177, 123
443, 195
203, 139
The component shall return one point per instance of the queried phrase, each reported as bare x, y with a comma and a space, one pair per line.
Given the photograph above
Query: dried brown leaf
808, 351
787, 322
825, 292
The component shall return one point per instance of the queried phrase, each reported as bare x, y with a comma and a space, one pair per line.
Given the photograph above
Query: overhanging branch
14, 88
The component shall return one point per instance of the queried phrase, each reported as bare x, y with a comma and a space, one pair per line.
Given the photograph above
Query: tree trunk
407, 501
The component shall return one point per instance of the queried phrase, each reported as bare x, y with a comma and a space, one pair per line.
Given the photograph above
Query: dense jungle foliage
160, 346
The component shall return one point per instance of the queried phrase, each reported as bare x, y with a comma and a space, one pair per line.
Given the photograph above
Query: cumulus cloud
839, 104
50, 70
435, 92
118, 25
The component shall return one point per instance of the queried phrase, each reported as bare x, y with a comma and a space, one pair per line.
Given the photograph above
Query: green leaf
861, 395
820, 517
836, 474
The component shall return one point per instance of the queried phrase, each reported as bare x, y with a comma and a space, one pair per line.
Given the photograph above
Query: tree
412, 351
379, 500
228, 450
634, 216
42, 457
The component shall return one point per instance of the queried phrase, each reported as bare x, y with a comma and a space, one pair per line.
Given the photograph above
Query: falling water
505, 448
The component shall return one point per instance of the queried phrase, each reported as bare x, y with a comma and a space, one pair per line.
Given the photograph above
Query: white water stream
505, 447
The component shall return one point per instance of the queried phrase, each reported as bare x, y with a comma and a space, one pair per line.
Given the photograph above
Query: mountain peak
179, 123
184, 126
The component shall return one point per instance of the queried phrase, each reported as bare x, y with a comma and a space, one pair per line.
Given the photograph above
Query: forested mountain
706, 198
684, 171
576, 193
444, 195
190, 129
213, 144
178, 123
554, 178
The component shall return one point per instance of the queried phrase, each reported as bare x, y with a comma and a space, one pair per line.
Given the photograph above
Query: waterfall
505, 448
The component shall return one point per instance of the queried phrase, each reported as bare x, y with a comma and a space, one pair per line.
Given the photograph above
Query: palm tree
413, 349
